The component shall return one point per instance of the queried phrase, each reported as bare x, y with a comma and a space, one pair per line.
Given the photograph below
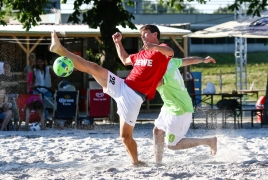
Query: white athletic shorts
175, 127
128, 101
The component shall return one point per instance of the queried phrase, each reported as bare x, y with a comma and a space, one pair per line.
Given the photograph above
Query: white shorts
175, 126
128, 101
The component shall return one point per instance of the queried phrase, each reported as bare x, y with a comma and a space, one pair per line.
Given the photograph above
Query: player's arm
163, 49
196, 60
122, 54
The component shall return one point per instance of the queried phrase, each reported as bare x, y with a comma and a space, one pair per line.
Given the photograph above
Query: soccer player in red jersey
149, 66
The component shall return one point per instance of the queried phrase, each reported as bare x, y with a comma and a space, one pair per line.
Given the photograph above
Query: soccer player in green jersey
176, 114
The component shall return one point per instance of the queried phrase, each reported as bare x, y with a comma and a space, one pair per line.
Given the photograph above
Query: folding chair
66, 109
197, 80
4, 98
20, 102
99, 104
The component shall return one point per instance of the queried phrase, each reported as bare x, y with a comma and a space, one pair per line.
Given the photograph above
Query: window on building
230, 40
258, 40
197, 40
251, 40
220, 40
209, 40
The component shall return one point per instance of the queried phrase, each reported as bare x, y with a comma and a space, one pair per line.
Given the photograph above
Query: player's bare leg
27, 118
42, 121
6, 120
158, 144
126, 132
187, 143
99, 73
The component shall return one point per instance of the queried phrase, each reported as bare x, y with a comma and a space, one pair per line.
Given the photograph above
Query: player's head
152, 28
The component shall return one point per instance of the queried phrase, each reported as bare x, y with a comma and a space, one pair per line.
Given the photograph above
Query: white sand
99, 154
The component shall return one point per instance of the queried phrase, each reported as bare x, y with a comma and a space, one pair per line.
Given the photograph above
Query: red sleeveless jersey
148, 69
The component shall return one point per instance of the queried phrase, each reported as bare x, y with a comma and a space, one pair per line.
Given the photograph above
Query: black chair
66, 108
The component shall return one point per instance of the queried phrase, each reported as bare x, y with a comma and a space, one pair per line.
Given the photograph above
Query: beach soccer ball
63, 66
35, 127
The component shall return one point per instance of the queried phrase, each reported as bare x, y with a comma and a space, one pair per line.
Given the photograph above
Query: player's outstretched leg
99, 73
187, 143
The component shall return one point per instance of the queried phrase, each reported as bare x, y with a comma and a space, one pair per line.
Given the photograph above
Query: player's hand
209, 59
117, 37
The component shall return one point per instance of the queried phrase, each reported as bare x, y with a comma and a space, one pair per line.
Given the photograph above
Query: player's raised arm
122, 54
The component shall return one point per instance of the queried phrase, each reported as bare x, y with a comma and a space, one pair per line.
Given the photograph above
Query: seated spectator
36, 104
42, 75
5, 114
8, 80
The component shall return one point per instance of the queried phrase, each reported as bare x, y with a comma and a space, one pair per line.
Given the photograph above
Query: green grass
257, 69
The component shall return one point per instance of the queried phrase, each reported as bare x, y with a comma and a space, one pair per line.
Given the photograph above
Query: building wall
224, 48
197, 21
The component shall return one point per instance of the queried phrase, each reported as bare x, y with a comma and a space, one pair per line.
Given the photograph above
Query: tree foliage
29, 11
105, 14
223, 10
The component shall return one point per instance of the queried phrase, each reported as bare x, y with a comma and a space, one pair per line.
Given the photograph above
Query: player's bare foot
213, 146
140, 164
55, 43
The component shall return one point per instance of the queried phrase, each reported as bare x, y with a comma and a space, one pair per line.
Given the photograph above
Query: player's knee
154, 130
95, 66
8, 113
157, 131
126, 139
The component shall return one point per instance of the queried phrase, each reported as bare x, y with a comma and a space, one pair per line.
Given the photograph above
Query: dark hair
152, 29
36, 105
44, 65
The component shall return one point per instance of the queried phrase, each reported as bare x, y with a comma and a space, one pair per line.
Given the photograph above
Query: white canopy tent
248, 27
232, 29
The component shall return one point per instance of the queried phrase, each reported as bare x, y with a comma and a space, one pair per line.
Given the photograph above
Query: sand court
99, 154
